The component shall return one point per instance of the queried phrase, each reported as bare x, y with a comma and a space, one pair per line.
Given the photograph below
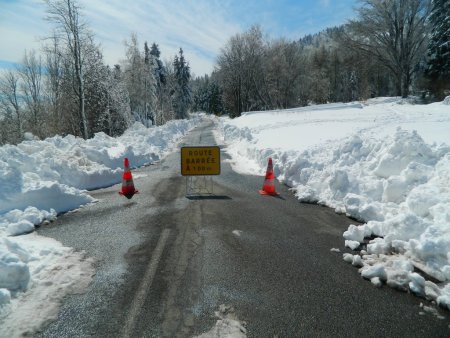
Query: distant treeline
393, 48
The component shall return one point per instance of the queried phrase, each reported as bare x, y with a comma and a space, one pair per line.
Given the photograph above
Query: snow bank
447, 100
41, 179
227, 326
54, 173
382, 172
47, 271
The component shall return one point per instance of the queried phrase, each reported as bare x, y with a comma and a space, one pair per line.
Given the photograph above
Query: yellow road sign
200, 161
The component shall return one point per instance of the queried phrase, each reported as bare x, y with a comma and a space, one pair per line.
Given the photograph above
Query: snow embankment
53, 174
227, 325
41, 179
382, 172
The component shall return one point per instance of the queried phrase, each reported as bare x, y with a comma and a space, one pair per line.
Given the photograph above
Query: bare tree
395, 32
10, 102
285, 65
254, 84
31, 86
230, 64
71, 29
53, 83
240, 70
140, 81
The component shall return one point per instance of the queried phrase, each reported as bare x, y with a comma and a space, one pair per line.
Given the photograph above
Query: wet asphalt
277, 271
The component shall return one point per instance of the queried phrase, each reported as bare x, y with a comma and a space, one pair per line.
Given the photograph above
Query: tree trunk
398, 85
78, 69
405, 84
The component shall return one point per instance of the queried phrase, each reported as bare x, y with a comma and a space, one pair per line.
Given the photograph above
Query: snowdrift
41, 179
369, 162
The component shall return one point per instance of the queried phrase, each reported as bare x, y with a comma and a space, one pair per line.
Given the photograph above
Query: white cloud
22, 25
201, 28
325, 3
198, 27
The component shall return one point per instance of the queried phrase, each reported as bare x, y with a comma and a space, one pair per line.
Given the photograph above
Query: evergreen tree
215, 99
150, 84
207, 96
160, 75
182, 93
439, 47
160, 72
147, 54
155, 50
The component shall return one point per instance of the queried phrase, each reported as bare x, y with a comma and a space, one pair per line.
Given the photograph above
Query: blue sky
200, 27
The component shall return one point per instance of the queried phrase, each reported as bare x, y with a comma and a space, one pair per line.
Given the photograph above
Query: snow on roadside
227, 326
41, 179
369, 162
48, 271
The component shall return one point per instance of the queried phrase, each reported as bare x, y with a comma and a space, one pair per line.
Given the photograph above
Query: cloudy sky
200, 27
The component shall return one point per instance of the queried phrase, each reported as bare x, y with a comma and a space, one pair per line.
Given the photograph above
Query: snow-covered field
39, 180
385, 162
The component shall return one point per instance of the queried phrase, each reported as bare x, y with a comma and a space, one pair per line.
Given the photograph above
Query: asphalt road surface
165, 263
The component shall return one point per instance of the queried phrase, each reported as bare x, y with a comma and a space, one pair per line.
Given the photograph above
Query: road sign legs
199, 185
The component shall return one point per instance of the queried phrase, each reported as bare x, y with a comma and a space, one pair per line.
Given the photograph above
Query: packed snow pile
47, 271
227, 326
52, 174
372, 163
447, 100
60, 168
41, 179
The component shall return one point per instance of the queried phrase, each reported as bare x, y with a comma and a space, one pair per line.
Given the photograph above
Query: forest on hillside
393, 48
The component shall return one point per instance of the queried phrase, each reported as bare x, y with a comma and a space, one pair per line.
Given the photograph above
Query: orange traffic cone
127, 181
269, 184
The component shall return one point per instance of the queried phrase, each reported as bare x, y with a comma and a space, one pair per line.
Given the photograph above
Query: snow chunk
357, 261
237, 233
376, 281
444, 299
355, 233
14, 271
228, 325
377, 270
432, 291
18, 222
348, 257
5, 301
19, 228
417, 284
406, 147
352, 244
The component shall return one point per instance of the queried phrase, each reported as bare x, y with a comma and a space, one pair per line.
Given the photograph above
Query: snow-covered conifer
182, 93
